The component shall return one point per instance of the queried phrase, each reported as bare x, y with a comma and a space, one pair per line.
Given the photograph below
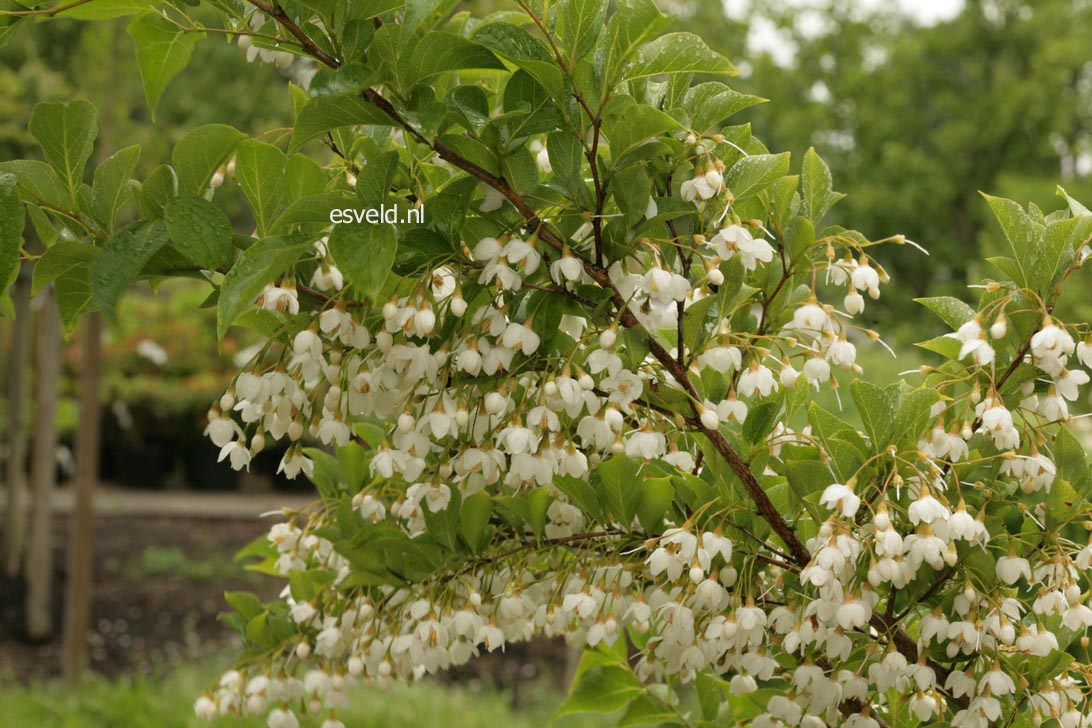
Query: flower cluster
605, 434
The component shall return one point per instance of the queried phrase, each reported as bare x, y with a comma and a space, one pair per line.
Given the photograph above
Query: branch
800, 554
277, 13
44, 12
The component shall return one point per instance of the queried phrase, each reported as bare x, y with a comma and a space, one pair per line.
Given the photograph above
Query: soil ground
162, 564
159, 584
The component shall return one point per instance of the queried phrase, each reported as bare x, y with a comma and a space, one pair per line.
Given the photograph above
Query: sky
765, 38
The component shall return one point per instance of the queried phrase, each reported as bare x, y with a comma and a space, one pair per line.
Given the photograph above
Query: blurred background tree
959, 95
991, 95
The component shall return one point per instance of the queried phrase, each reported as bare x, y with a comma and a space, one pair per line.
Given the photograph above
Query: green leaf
538, 503
877, 407
313, 209
579, 23
440, 52
1069, 457
113, 184
334, 112
73, 291
807, 478
120, 262
581, 494
710, 690
352, 460
365, 254
1063, 502
627, 124
566, 159
631, 25
913, 412
259, 264
526, 51
817, 187
622, 487
163, 50
38, 182
751, 175
1022, 232
632, 189
62, 257
520, 170
653, 501
327, 473
259, 167
106, 9
373, 184
200, 231
762, 418
348, 78
244, 603
600, 689
159, 187
710, 103
951, 310
66, 132
529, 106
678, 53
12, 221
200, 152
645, 710
474, 518
303, 177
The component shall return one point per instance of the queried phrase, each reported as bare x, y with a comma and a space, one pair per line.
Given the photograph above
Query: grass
172, 561
166, 702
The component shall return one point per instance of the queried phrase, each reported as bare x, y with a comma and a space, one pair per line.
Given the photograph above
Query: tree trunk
77, 614
15, 512
39, 618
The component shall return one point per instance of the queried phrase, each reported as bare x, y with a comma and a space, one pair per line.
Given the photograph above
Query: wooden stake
39, 571
15, 511
77, 613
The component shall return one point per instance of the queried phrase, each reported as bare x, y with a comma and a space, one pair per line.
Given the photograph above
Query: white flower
865, 278
927, 509
842, 353
974, 342
282, 718
204, 708
758, 378
721, 358
816, 371
333, 430
854, 303
566, 268
841, 498
237, 453
280, 300
223, 430
152, 351
1084, 353
295, 462
1011, 568
328, 278
1068, 382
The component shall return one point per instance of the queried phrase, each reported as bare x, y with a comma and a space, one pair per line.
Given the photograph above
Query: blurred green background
957, 95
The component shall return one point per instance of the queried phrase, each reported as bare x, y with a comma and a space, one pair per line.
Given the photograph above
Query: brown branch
800, 554
44, 12
276, 12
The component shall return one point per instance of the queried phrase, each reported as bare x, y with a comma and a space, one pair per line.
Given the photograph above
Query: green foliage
647, 266
12, 220
166, 701
163, 50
